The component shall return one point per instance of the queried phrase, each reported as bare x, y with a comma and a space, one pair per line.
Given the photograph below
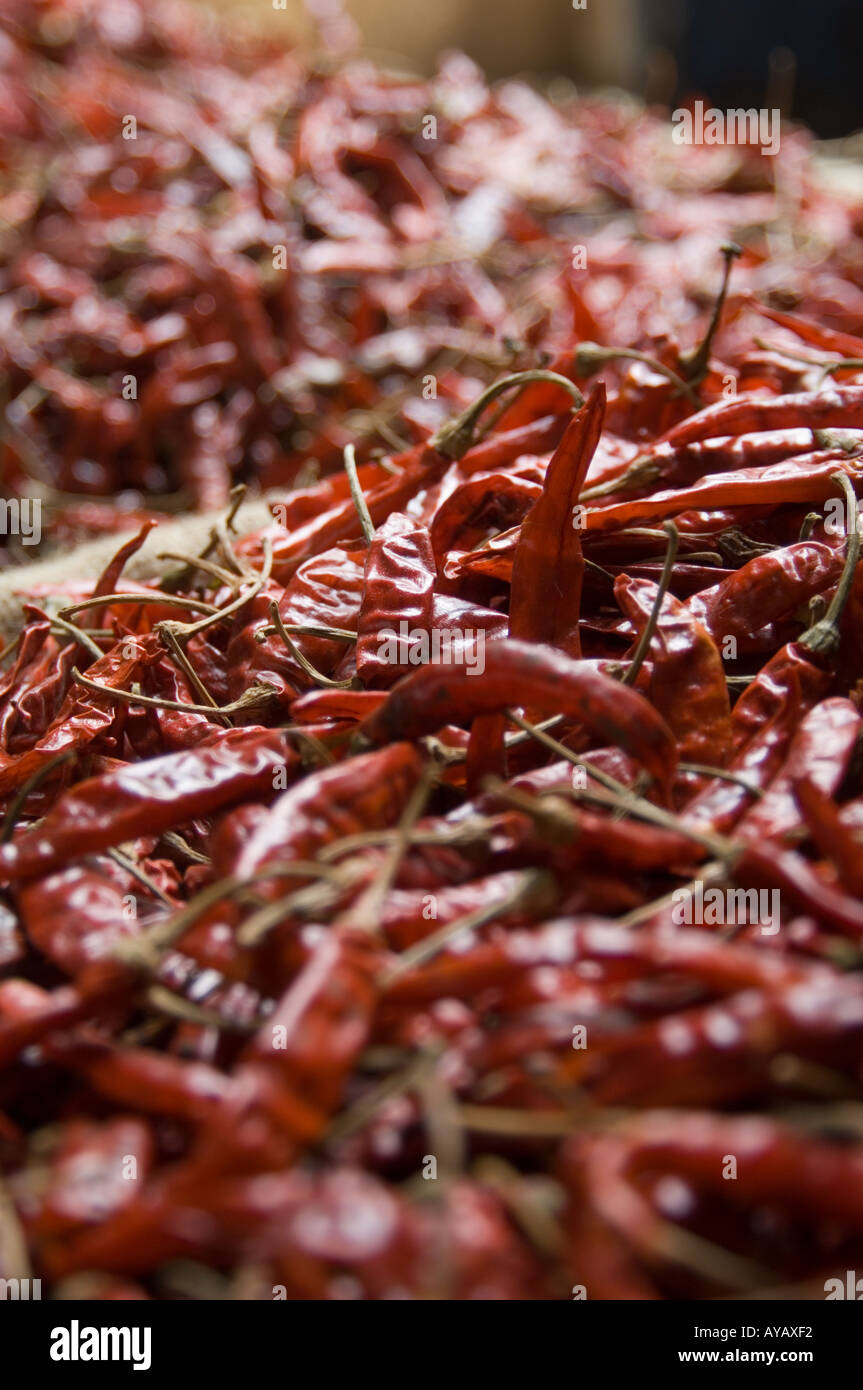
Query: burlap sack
188, 535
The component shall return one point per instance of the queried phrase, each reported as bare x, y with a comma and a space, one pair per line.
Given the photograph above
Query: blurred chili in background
787, 53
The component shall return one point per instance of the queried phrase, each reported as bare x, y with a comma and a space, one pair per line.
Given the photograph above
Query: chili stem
302, 661
695, 364
455, 438
823, 638
623, 797
255, 695
331, 634
108, 601
703, 769
631, 674
533, 886
590, 357
360, 503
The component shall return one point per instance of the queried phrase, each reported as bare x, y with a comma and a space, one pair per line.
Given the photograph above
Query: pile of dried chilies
327, 973
222, 262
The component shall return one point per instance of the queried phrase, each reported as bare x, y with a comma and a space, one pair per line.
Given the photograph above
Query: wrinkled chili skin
77, 914
807, 479
330, 804
763, 723
519, 673
767, 589
151, 796
820, 753
687, 682
548, 565
398, 596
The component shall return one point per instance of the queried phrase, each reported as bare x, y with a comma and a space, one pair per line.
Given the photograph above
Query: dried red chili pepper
398, 598
765, 590
687, 681
296, 971
150, 797
517, 673
548, 565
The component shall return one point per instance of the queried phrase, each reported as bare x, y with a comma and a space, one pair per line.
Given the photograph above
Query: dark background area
803, 56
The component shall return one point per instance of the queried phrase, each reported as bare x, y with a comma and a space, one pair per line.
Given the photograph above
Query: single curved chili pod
843, 405
843, 344
517, 673
316, 1031
548, 565
506, 445
766, 589
149, 797
153, 1081
800, 480
77, 915
486, 503
767, 866
28, 1013
368, 790
318, 705
107, 581
789, 678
